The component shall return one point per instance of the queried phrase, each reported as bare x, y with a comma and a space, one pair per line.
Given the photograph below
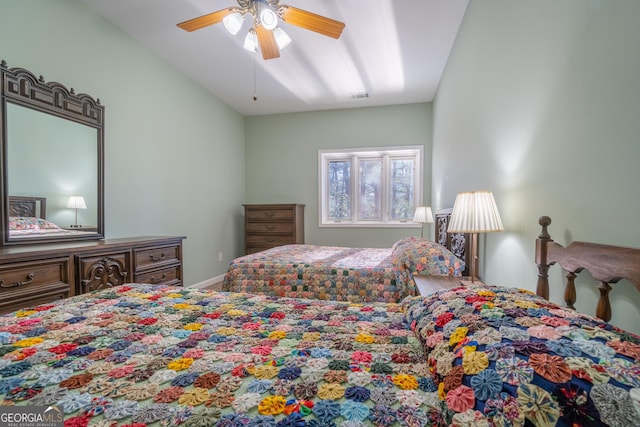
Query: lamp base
474, 257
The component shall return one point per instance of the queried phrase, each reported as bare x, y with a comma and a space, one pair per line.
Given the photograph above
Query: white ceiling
394, 50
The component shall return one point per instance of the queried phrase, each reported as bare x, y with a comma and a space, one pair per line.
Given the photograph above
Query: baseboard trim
207, 283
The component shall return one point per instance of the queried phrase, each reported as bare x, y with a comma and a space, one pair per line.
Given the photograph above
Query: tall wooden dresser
267, 226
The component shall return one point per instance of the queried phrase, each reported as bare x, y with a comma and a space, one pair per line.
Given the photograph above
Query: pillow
422, 256
406, 241
23, 223
43, 224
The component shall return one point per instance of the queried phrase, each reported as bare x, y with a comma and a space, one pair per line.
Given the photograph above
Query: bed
341, 273
143, 355
351, 274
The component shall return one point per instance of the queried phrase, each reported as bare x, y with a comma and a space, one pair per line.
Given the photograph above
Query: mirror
52, 161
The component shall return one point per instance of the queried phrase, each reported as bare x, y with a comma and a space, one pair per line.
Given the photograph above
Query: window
370, 187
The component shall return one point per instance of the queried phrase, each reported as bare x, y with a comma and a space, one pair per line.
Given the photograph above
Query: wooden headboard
28, 206
458, 243
608, 264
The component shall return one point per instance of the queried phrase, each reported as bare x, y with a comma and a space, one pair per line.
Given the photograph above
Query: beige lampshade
423, 214
475, 212
76, 202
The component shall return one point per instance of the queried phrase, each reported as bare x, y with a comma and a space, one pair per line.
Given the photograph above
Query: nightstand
466, 281
430, 284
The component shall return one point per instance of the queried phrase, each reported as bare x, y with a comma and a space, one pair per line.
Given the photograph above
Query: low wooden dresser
267, 226
38, 274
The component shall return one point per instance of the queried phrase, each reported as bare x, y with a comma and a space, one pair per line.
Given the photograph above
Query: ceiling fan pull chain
255, 96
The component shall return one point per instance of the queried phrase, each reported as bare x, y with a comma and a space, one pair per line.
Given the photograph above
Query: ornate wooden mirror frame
21, 88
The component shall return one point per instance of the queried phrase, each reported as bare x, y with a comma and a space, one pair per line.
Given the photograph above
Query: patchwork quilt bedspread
321, 272
142, 355
341, 273
506, 357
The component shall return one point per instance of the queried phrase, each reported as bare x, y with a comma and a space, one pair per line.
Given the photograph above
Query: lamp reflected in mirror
76, 202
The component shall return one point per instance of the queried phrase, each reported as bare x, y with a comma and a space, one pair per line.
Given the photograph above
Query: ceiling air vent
360, 95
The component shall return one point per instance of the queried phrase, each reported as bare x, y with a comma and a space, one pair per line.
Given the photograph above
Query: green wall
540, 103
174, 155
282, 160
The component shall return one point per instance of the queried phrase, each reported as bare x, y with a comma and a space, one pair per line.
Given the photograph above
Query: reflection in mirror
55, 159
52, 179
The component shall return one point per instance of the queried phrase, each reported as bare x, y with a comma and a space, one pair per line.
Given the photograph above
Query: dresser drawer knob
269, 214
270, 227
30, 277
158, 258
158, 280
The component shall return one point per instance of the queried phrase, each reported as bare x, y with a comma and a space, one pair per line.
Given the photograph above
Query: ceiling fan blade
311, 21
267, 42
206, 20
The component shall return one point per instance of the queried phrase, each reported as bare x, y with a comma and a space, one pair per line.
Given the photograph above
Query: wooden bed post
603, 309
570, 290
542, 242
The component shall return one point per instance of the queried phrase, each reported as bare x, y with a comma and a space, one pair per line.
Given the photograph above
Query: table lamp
475, 212
76, 202
423, 215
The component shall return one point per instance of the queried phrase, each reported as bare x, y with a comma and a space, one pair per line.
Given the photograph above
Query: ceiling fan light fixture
282, 38
264, 32
268, 17
233, 22
251, 41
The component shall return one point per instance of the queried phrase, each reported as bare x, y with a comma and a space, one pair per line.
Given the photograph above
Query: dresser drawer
167, 276
29, 276
150, 258
270, 227
24, 301
269, 214
28, 284
269, 240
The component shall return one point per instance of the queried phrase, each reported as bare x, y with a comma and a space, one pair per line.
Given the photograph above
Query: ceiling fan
265, 32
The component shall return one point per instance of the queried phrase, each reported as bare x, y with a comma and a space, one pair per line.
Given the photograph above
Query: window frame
355, 155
